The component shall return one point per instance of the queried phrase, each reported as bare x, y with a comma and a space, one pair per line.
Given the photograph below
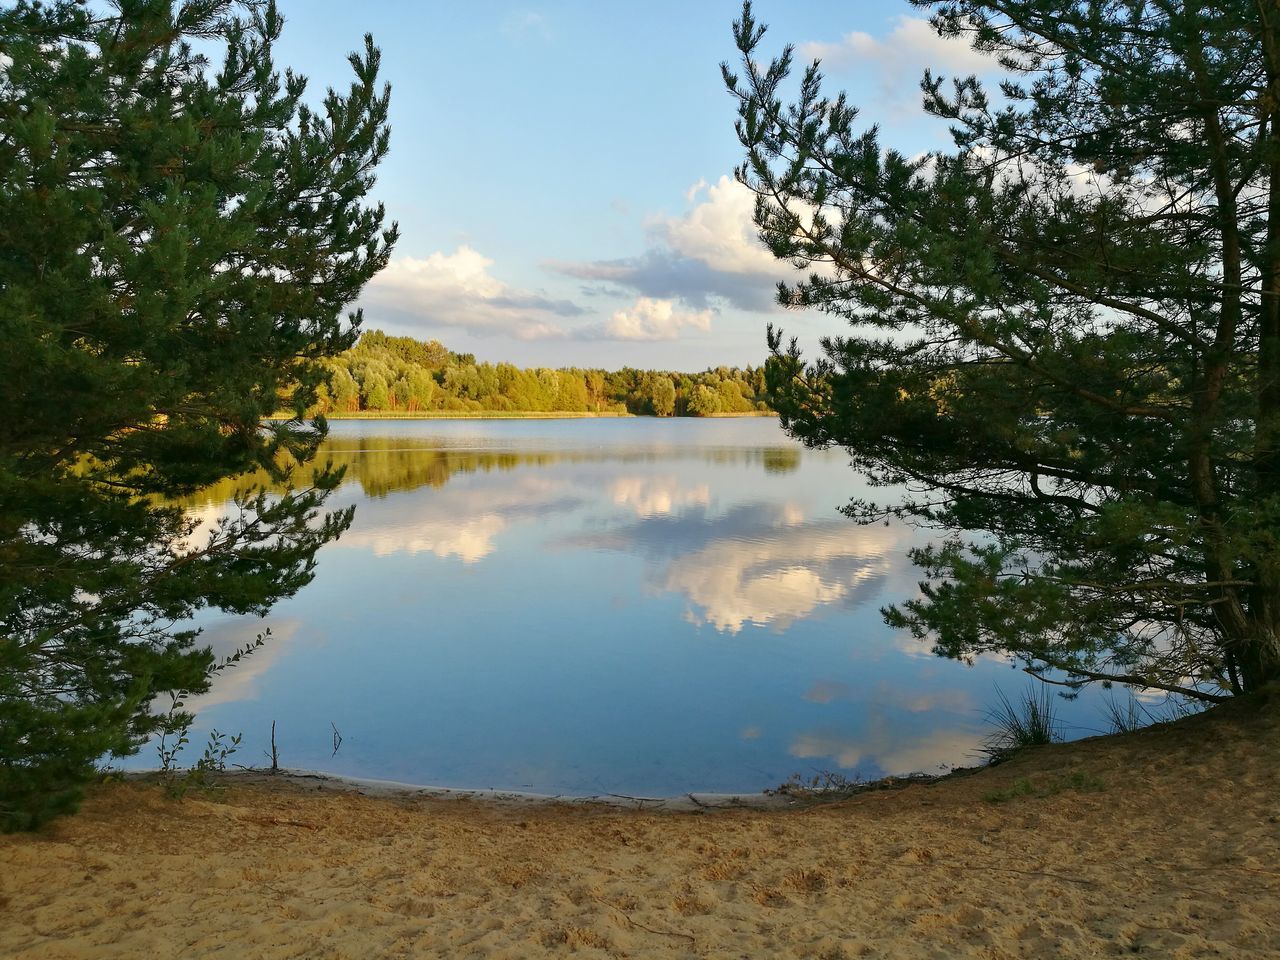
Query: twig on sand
731, 803
631, 921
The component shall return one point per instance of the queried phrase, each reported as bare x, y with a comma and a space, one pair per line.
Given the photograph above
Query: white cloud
651, 319
719, 231
708, 255
692, 193
903, 54
457, 290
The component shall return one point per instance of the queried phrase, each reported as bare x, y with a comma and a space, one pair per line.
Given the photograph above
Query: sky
562, 170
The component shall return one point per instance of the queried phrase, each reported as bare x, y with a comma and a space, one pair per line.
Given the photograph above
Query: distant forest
382, 373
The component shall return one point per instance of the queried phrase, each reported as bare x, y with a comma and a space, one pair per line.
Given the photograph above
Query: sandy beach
1163, 843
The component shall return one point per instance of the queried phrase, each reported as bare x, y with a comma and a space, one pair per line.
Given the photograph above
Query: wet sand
1164, 843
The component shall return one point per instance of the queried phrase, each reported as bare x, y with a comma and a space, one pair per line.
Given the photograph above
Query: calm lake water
637, 606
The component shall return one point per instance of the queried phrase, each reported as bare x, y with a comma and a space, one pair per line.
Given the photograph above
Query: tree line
381, 466
402, 374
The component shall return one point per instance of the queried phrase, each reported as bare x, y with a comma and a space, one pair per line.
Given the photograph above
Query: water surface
640, 607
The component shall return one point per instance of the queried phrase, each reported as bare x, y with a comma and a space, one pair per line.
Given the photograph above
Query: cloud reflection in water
461, 520
657, 496
759, 563
891, 749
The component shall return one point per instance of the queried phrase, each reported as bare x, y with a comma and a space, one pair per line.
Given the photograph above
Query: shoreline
517, 415
783, 798
1162, 842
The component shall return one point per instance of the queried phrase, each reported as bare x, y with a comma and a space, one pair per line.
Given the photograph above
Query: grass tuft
1127, 716
1030, 722
1078, 781
1133, 714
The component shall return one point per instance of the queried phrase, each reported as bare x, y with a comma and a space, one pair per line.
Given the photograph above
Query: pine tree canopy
180, 235
1063, 331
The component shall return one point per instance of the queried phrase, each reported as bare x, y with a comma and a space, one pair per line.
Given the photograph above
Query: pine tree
178, 242
1065, 329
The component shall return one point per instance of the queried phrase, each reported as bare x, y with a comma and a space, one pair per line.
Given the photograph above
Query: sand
1163, 843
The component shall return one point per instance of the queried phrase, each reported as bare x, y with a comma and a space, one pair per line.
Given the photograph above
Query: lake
636, 606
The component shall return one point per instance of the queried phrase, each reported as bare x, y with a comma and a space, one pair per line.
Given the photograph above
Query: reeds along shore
1162, 843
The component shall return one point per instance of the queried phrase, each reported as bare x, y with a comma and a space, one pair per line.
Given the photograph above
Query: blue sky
561, 170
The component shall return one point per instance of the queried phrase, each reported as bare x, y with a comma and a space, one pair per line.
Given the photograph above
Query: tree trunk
1265, 602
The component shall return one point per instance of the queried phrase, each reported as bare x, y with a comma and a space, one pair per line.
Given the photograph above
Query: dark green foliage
1065, 330
403, 374
178, 241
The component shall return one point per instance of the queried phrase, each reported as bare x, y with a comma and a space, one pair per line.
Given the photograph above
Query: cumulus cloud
719, 231
706, 256
903, 54
647, 319
457, 290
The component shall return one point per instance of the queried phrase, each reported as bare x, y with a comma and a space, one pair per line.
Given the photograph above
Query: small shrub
213, 760
176, 724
